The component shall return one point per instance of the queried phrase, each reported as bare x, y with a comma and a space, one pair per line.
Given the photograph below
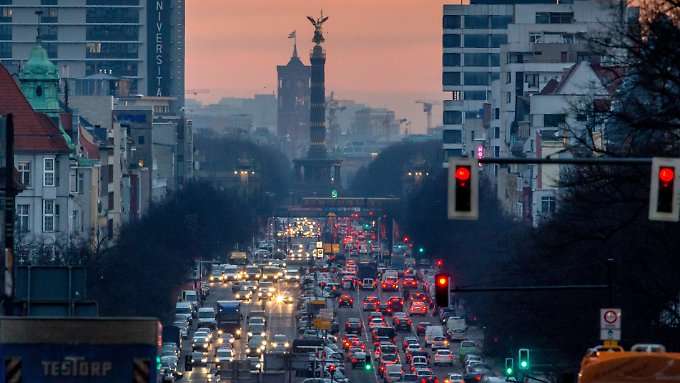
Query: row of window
469, 78
50, 172
5, 32
471, 59
89, 2
111, 50
112, 15
51, 213
451, 40
115, 68
477, 21
554, 17
112, 33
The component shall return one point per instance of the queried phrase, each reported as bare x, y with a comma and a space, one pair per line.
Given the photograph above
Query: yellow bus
644, 363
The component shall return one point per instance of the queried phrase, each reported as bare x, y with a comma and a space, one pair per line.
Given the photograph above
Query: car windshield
206, 314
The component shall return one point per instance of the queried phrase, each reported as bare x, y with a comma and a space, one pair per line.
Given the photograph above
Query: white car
455, 378
224, 355
439, 342
279, 344
442, 357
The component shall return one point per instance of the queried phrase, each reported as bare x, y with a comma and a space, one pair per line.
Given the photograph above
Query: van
184, 308
431, 332
206, 317
190, 296
456, 323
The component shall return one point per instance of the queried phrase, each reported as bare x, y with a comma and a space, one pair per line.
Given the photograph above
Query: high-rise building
293, 104
138, 44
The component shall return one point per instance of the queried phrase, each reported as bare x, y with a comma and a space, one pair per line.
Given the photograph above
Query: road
359, 375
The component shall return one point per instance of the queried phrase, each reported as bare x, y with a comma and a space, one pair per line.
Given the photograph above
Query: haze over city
380, 53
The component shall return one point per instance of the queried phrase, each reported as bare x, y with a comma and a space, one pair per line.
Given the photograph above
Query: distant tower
39, 81
317, 115
293, 104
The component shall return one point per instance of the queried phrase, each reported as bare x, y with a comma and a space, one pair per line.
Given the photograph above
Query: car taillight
354, 360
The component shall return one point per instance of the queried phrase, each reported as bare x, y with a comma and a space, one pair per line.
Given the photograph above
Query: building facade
137, 43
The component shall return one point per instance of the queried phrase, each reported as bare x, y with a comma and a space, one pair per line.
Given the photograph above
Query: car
418, 308
472, 358
467, 347
224, 355
386, 348
442, 357
353, 326
454, 377
347, 282
375, 322
439, 342
226, 340
279, 344
359, 358
402, 323
257, 345
368, 284
198, 358
390, 284
201, 344
418, 365
409, 283
396, 304
420, 297
420, 327
409, 378
345, 301
411, 354
386, 360
409, 340
393, 373
424, 373
244, 293
370, 303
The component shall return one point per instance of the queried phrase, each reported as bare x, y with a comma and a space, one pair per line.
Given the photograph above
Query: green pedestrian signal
421, 250
524, 361
509, 366
334, 193
368, 367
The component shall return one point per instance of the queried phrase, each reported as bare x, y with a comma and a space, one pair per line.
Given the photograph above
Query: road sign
321, 324
610, 324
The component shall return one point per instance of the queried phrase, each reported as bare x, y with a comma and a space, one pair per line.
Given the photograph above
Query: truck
66, 350
229, 317
239, 258
367, 269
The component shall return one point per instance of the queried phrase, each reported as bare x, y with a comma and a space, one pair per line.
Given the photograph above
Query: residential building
137, 44
375, 125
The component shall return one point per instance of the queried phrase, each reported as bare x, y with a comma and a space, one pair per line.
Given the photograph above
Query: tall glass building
139, 41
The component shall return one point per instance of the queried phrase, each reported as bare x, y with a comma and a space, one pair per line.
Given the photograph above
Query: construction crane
427, 108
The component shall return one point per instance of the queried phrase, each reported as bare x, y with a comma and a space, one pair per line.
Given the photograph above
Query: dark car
396, 304
353, 326
345, 301
402, 323
410, 283
420, 327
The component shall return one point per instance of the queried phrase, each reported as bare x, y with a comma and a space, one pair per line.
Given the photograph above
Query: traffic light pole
568, 161
493, 289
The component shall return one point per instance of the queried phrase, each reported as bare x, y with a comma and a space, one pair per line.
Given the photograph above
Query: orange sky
381, 52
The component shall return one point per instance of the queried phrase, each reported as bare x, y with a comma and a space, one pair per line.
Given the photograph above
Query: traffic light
441, 289
524, 362
439, 262
463, 184
663, 191
509, 366
421, 250
368, 366
331, 369
405, 239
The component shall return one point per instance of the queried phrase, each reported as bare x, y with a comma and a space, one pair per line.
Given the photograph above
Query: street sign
321, 324
610, 324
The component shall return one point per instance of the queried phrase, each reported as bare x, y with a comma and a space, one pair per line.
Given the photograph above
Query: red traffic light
462, 173
666, 175
442, 281
405, 238
331, 368
439, 263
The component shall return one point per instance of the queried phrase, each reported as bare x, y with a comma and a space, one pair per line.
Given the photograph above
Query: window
496, 151
22, 218
456, 95
112, 15
563, 57
112, 50
453, 117
451, 22
52, 50
140, 140
48, 172
531, 80
109, 171
48, 215
49, 15
49, 2
48, 33
454, 153
5, 15
554, 17
553, 120
494, 59
116, 68
56, 172
476, 22
451, 59
495, 41
5, 50
74, 220
451, 78
542, 17
497, 113
472, 115
24, 169
479, 95
508, 97
496, 132
494, 76
81, 182
112, 32
472, 135
548, 204
508, 77
476, 59
5, 31
476, 41
476, 78
452, 137
535, 37
451, 41
500, 21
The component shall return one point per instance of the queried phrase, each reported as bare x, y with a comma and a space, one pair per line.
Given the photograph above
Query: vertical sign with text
158, 37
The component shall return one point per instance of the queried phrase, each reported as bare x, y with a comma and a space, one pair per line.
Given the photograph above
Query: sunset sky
383, 53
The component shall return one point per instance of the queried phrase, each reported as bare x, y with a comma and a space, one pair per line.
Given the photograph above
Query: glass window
48, 32
5, 15
112, 15
112, 50
474, 115
5, 31
561, 17
23, 212
112, 32
553, 120
548, 204
476, 22
48, 215
500, 21
496, 151
52, 50
494, 59
5, 50
452, 137
454, 153
479, 95
496, 131
476, 59
451, 59
476, 41
112, 2
49, 15
495, 41
542, 17
496, 113
451, 78
456, 95
116, 68
451, 22
24, 169
451, 40
48, 172
49, 2
494, 76
476, 78
453, 117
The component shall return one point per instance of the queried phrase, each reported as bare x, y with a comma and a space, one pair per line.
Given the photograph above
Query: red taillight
478, 378
354, 360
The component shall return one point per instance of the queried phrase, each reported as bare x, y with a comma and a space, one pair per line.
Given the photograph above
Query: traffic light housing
463, 189
663, 190
509, 367
442, 289
421, 250
524, 363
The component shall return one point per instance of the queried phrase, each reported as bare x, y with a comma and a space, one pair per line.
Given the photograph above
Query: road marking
365, 333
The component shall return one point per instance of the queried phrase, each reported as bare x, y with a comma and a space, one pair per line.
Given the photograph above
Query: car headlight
238, 331
204, 360
220, 332
250, 333
262, 334
286, 345
238, 296
274, 344
231, 340
264, 343
220, 341
247, 350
